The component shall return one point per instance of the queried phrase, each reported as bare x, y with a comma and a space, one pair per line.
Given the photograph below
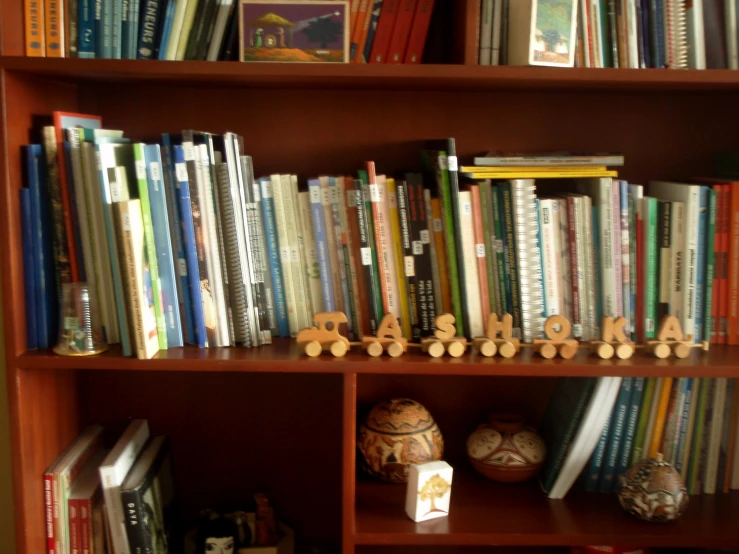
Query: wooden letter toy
607, 347
556, 341
389, 338
670, 339
505, 345
324, 335
445, 339
429, 490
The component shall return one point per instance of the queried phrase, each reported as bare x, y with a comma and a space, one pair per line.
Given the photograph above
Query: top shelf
378, 77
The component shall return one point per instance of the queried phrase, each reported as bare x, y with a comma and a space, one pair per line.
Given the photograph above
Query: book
503, 159
419, 30
542, 32
83, 495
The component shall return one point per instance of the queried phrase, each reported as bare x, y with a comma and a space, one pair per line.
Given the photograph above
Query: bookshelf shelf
375, 77
486, 513
284, 356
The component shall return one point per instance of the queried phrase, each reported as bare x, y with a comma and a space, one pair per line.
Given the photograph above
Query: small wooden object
389, 338
556, 341
324, 335
444, 339
670, 339
429, 490
612, 329
505, 345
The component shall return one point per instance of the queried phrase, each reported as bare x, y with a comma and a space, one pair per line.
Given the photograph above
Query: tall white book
471, 278
551, 255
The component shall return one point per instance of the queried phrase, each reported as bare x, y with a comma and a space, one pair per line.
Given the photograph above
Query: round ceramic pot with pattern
506, 449
396, 434
653, 491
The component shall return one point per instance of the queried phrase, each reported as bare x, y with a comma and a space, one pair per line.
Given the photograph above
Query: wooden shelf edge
381, 76
284, 356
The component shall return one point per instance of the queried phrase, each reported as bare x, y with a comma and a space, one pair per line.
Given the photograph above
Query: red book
85, 515
385, 25
482, 268
401, 31
49, 512
733, 285
73, 506
419, 30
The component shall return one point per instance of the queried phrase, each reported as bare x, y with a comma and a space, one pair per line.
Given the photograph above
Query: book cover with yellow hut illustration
306, 31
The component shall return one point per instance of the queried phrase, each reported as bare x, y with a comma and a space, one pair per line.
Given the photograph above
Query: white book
732, 54
224, 7
714, 445
284, 244
486, 32
696, 35
471, 278
174, 35
590, 273
302, 253
188, 22
529, 44
311, 253
242, 209
588, 433
551, 253
295, 267
632, 33
113, 471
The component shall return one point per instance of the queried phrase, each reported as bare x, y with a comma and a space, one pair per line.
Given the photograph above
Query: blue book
162, 239
133, 30
644, 35
99, 30
119, 10
188, 243
273, 255
43, 257
689, 387
616, 432
372, 30
700, 267
627, 444
149, 19
171, 185
86, 26
596, 268
596, 460
319, 231
29, 273
163, 40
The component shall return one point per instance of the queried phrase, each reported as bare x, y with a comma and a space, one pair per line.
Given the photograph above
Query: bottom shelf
483, 512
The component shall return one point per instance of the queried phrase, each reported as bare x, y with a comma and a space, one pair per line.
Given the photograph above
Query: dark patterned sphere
653, 491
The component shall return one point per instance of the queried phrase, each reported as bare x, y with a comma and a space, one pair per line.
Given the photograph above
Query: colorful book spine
422, 255
349, 238
409, 266
368, 256
723, 276
479, 236
617, 430
352, 214
30, 278
385, 25
500, 254
633, 259
445, 306
733, 278
371, 31
632, 417
273, 254
683, 440
576, 317
636, 205
550, 254
147, 29
435, 275
311, 253
397, 248
274, 192
650, 274
35, 31
401, 31
54, 28
658, 427
418, 32
637, 452
472, 281
302, 302
665, 263
698, 268
359, 18
512, 287
342, 260
319, 229
595, 465
489, 241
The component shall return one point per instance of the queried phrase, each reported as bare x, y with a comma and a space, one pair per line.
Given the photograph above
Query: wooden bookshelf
269, 419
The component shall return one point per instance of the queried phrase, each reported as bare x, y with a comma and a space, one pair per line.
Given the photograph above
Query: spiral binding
526, 224
679, 35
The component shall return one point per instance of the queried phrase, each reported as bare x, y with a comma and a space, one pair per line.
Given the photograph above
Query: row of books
598, 428
610, 33
116, 500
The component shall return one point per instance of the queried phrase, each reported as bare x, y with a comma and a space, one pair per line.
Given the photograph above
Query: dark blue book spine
175, 223
86, 29
372, 30
682, 440
188, 240
134, 7
166, 30
621, 408
596, 460
99, 30
627, 444
700, 267
119, 11
29, 273
273, 254
147, 29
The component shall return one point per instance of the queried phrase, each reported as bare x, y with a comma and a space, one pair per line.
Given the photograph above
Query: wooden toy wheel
624, 351
338, 348
374, 349
455, 349
436, 350
394, 349
605, 351
312, 348
507, 350
681, 350
548, 351
568, 351
488, 348
662, 350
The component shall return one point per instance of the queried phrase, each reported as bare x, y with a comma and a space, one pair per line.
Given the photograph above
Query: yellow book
399, 265
441, 254
530, 168
188, 20
535, 175
659, 420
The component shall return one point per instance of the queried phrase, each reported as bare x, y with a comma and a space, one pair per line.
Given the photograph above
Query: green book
696, 444
708, 320
374, 284
499, 252
490, 259
435, 164
641, 425
151, 251
651, 267
512, 278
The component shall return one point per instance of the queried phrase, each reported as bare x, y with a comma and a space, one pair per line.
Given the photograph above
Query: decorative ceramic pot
396, 434
506, 449
653, 491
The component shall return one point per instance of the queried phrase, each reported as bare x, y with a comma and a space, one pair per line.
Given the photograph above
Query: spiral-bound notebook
528, 257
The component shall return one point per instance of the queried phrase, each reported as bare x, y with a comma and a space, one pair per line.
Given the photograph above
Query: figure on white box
429, 490
435, 487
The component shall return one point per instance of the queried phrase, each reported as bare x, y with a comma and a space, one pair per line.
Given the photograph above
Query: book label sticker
285, 254
452, 161
417, 248
366, 255
410, 266
181, 172
351, 198
326, 196
467, 208
126, 221
255, 191
187, 148
294, 255
443, 162
315, 195
156, 172
425, 236
480, 250
140, 169
183, 267
374, 191
266, 189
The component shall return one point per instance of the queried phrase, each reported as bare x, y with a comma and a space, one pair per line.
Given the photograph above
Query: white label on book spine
285, 254
294, 255
443, 162
438, 225
452, 161
181, 171
183, 267
140, 169
498, 245
256, 192
267, 189
417, 248
326, 196
188, 151
366, 255
351, 198
480, 250
425, 236
649, 325
98, 161
467, 208
374, 193
410, 266
315, 195
156, 172
126, 221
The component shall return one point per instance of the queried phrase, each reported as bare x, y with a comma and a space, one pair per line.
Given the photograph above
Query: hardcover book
542, 32
277, 31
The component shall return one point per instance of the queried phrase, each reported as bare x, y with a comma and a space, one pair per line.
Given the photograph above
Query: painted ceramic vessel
653, 491
396, 434
506, 449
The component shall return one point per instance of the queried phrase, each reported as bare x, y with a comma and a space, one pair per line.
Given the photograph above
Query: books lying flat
558, 173
549, 158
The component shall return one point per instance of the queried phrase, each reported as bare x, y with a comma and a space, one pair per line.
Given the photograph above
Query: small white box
429, 491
